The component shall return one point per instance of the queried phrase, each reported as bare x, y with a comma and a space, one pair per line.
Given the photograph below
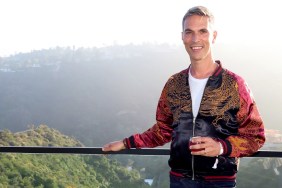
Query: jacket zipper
193, 130
193, 163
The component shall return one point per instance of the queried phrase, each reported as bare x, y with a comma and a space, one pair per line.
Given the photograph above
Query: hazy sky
35, 24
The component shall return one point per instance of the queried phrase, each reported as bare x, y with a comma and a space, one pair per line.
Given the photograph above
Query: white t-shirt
197, 87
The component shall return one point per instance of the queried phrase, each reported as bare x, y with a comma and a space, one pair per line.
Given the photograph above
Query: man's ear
214, 36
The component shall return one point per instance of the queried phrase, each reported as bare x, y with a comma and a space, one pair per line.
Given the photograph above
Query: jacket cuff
227, 148
129, 142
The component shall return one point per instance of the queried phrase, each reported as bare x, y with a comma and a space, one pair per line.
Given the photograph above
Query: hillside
102, 94
59, 170
85, 92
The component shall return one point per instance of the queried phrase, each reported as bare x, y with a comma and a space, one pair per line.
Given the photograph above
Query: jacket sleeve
160, 133
250, 135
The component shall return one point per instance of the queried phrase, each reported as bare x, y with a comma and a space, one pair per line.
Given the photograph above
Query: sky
39, 24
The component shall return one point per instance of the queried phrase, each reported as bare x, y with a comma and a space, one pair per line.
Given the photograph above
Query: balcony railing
248, 176
98, 150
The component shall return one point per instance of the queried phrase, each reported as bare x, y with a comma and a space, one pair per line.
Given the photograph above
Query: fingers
106, 147
205, 146
114, 146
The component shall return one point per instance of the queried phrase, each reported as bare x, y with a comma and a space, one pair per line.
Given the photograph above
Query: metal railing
98, 151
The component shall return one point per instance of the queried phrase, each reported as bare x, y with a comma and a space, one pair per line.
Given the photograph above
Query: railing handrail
98, 151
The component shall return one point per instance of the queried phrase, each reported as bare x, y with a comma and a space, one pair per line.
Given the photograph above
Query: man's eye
203, 31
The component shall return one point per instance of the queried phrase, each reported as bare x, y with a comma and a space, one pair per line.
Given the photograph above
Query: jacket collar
216, 72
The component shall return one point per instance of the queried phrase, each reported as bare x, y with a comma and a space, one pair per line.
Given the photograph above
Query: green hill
59, 170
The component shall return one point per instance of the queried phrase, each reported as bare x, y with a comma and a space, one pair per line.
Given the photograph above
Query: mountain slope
59, 170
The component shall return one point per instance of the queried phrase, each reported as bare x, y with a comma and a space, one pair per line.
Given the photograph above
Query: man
207, 103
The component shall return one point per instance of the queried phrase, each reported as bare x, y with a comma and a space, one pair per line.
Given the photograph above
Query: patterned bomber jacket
227, 113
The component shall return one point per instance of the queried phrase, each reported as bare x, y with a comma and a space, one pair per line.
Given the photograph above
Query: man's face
197, 37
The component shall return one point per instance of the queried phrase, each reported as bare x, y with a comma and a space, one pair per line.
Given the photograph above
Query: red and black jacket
227, 112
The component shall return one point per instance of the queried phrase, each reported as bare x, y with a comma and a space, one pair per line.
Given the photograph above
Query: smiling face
198, 36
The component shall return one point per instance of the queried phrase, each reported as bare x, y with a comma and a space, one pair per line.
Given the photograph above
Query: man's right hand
114, 146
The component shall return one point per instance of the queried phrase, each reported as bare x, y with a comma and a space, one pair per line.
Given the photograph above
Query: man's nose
195, 37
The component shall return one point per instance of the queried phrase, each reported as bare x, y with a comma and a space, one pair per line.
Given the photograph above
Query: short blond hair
200, 11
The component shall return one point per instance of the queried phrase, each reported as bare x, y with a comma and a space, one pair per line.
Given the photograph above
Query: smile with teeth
196, 47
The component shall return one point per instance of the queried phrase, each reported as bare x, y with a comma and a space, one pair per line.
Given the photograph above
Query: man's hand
114, 146
211, 147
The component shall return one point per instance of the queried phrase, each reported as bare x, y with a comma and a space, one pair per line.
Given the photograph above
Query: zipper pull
194, 123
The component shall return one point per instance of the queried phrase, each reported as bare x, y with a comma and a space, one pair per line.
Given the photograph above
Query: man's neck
202, 70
